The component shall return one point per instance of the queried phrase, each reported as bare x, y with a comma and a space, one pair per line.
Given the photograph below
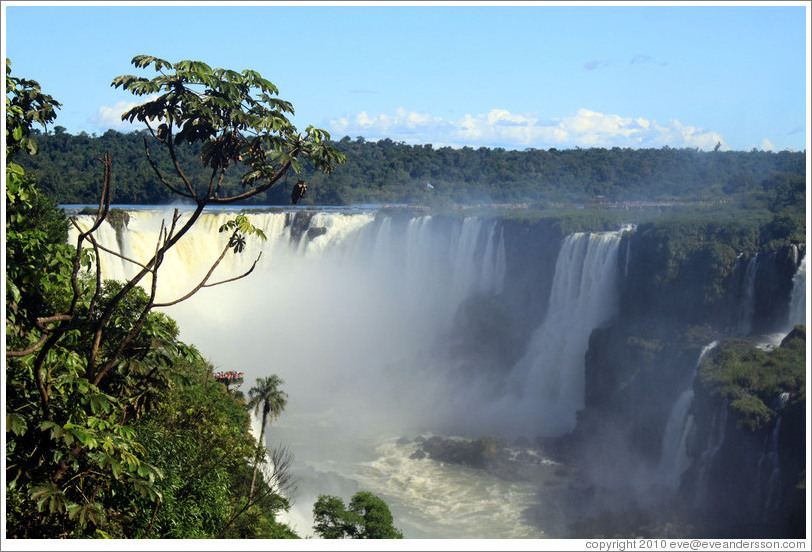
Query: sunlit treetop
236, 116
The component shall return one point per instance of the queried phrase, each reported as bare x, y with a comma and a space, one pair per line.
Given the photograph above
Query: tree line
387, 171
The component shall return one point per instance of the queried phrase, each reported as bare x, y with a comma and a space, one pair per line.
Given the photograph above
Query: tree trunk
256, 460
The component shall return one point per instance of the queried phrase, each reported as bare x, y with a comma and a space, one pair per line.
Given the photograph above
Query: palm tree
265, 394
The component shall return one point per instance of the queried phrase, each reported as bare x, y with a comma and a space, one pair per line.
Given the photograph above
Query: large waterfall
547, 384
349, 309
390, 327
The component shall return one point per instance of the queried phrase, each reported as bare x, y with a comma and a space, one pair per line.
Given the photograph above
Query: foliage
103, 402
198, 435
366, 517
394, 172
684, 262
26, 106
237, 119
266, 394
752, 379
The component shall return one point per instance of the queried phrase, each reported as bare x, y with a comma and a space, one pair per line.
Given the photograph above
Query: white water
716, 437
343, 319
674, 459
348, 320
797, 302
769, 467
549, 380
797, 310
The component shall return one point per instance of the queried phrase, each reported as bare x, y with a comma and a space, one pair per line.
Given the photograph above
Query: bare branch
278, 473
278, 481
171, 143
204, 282
132, 334
253, 191
96, 245
48, 319
160, 176
40, 322
152, 520
240, 277
29, 350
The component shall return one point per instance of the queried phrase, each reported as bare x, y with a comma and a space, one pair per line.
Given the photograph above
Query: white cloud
766, 145
110, 117
501, 128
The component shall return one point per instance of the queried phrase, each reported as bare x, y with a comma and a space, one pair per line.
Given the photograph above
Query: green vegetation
392, 172
751, 379
367, 517
115, 428
672, 247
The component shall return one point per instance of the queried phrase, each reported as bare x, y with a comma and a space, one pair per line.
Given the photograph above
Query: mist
390, 328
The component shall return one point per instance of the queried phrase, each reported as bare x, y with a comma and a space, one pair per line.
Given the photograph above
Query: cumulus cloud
501, 128
110, 117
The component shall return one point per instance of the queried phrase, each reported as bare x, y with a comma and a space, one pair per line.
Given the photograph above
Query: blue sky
513, 76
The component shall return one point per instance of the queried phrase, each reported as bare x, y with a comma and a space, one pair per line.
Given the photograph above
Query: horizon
95, 135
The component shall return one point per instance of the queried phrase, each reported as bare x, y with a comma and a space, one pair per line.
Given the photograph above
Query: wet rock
485, 453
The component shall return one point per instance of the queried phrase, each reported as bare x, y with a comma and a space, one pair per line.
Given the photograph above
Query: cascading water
797, 302
796, 310
674, 459
548, 382
340, 306
747, 301
344, 307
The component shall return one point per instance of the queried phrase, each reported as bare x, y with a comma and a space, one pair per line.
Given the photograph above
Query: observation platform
229, 378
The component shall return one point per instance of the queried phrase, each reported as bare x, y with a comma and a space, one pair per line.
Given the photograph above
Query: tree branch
203, 283
96, 245
253, 191
40, 322
160, 176
170, 142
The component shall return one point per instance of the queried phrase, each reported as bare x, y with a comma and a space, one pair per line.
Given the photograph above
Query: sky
513, 75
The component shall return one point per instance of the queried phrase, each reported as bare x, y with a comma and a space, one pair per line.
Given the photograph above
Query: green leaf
116, 467
16, 423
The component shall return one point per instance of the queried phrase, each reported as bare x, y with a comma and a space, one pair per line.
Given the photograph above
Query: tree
265, 394
84, 355
368, 517
26, 106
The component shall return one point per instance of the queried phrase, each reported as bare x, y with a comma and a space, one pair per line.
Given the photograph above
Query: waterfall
344, 298
747, 301
674, 459
796, 311
547, 383
797, 303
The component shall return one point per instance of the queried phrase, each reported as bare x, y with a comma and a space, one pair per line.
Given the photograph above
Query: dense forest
393, 172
